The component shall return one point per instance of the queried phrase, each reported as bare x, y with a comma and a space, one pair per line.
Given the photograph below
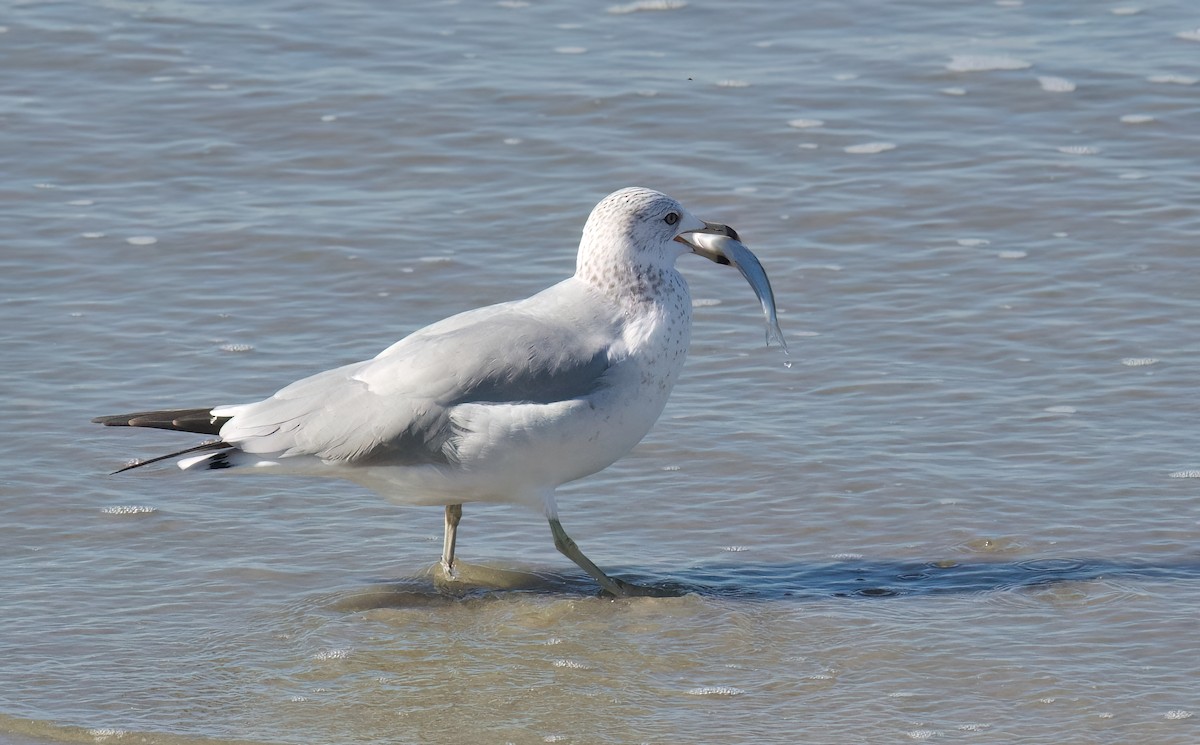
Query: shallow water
964, 510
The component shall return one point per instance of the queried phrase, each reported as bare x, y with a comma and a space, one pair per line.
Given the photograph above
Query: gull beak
709, 250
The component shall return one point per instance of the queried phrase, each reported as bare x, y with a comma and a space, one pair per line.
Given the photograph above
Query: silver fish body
724, 249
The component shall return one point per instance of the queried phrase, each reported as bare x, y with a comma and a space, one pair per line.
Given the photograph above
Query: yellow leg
453, 515
567, 547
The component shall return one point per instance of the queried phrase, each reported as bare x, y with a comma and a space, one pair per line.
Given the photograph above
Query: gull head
633, 237
637, 228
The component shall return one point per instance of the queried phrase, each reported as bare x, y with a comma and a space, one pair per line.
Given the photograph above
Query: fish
725, 249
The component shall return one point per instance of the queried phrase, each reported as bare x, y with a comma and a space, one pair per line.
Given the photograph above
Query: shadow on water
870, 579
850, 579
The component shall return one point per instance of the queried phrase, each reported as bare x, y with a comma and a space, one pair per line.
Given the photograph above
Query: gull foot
630, 590
446, 572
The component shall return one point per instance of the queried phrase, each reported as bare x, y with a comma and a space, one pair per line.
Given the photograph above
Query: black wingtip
210, 445
200, 421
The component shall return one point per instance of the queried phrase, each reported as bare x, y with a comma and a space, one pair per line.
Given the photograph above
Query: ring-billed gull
503, 403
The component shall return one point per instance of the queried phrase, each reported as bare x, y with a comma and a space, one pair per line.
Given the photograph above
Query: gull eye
671, 218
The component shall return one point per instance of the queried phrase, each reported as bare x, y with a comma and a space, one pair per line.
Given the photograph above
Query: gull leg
453, 515
567, 547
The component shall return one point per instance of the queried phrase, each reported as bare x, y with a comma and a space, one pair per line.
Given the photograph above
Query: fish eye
671, 218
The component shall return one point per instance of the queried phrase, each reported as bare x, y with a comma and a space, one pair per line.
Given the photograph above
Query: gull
502, 404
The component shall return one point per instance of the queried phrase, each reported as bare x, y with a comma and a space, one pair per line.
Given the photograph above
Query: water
965, 512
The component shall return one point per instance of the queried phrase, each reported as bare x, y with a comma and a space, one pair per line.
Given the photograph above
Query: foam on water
715, 691
922, 734
870, 148
104, 734
985, 63
1055, 84
129, 509
647, 5
1173, 79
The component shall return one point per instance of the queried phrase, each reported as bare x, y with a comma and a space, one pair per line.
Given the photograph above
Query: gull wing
398, 405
